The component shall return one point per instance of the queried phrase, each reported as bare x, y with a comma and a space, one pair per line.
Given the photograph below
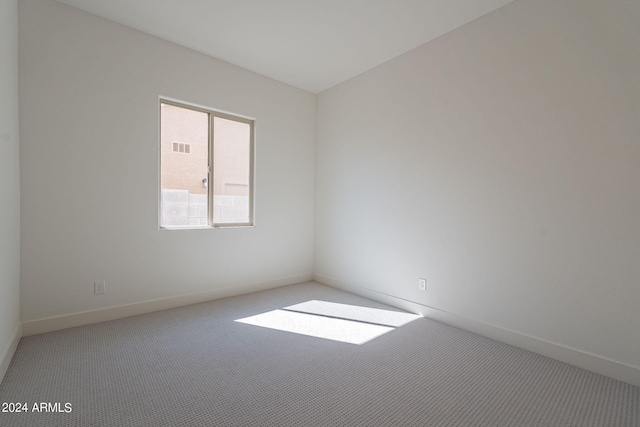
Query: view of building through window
205, 167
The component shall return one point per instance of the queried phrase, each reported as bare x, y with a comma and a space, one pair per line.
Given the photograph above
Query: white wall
501, 162
9, 185
89, 93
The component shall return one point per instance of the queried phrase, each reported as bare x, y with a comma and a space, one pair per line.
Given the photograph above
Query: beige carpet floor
197, 366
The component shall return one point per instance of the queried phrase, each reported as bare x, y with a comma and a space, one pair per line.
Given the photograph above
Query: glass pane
184, 148
231, 171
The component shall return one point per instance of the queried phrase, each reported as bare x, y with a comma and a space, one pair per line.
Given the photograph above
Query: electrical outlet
422, 284
281, 263
99, 287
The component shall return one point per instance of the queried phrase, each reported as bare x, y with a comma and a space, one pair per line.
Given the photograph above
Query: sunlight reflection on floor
339, 322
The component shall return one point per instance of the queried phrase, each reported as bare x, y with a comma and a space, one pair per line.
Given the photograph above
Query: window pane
231, 171
184, 148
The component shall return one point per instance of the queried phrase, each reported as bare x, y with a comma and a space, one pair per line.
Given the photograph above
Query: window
206, 167
179, 147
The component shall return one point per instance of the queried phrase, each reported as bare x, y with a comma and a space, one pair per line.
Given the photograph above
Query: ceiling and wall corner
312, 45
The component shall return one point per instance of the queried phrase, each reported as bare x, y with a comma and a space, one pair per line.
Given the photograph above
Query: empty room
320, 213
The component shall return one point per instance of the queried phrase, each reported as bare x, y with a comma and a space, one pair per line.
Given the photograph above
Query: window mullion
210, 191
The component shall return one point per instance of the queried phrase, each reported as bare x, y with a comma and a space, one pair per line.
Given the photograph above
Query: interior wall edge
56, 323
581, 359
9, 350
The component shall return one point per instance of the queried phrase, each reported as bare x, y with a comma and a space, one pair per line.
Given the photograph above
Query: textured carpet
196, 366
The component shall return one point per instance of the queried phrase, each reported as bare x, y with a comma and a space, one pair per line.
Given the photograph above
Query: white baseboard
591, 362
38, 326
9, 350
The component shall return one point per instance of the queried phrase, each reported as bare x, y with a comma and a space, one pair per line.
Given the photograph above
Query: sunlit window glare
339, 322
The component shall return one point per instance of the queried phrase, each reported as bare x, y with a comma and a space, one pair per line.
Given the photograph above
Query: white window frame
210, 187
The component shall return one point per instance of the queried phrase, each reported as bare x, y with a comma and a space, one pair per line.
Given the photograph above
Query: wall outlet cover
99, 287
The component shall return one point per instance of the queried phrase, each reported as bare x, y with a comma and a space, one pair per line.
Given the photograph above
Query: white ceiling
310, 44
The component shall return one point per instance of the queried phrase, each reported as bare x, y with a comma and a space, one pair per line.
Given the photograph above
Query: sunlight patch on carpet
339, 322
353, 312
